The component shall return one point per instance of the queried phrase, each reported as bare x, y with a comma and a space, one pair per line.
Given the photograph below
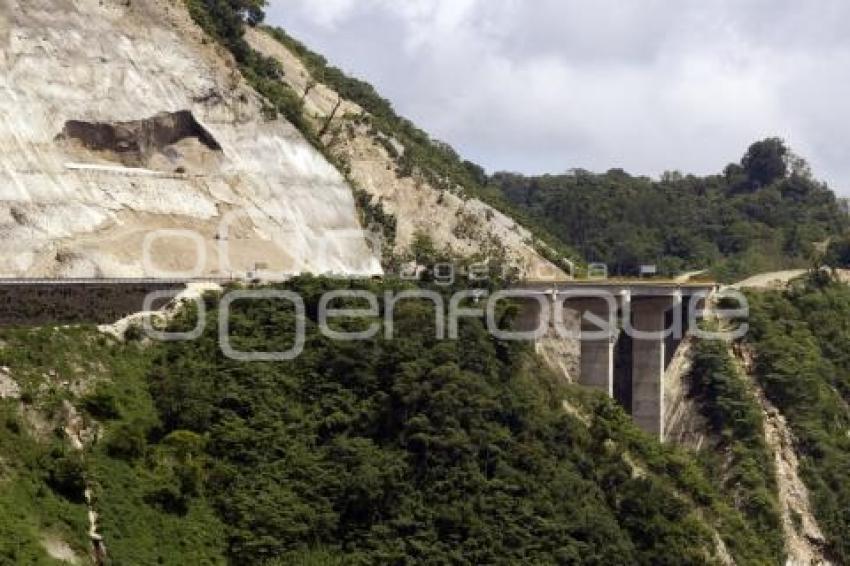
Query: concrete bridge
628, 331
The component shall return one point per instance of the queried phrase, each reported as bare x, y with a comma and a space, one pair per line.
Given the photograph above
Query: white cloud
327, 13
547, 85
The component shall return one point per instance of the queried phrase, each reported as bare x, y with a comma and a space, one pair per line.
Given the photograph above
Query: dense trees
766, 161
384, 451
740, 459
418, 449
838, 253
758, 216
423, 450
224, 19
802, 338
251, 10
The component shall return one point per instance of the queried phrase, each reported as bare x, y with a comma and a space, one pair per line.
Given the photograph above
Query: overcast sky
547, 85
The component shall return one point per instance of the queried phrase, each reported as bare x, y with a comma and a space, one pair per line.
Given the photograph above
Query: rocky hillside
413, 198
123, 118
119, 119
796, 354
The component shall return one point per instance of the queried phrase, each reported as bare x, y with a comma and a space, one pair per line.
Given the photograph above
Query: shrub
127, 441
66, 474
102, 405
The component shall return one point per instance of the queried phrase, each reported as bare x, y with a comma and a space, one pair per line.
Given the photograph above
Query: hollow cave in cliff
176, 136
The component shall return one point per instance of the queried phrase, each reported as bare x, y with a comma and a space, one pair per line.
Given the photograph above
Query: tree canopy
766, 161
758, 216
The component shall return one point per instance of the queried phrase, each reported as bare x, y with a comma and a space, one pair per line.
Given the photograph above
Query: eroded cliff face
684, 423
467, 226
118, 121
804, 540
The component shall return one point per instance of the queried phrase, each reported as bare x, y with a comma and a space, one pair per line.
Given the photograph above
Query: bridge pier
597, 338
649, 318
627, 365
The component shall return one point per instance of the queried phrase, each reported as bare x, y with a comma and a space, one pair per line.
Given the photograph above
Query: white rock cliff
117, 121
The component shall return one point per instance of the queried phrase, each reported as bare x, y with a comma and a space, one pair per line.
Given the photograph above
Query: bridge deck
634, 287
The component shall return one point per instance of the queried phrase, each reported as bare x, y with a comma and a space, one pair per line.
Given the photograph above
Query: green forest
412, 450
801, 340
763, 214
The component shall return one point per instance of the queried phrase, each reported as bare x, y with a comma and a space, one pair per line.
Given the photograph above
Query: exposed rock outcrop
804, 541
562, 351
9, 388
117, 119
60, 550
684, 423
465, 225
164, 138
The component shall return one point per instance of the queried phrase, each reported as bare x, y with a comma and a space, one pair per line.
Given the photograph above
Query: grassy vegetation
742, 464
801, 338
33, 501
147, 484
42, 477
383, 451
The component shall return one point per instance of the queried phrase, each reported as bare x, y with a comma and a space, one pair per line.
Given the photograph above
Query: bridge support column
648, 363
596, 357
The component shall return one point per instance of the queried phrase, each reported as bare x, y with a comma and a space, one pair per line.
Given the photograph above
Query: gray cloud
547, 85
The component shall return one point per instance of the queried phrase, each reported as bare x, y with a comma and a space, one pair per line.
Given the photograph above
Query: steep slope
734, 451
79, 393
684, 423
118, 119
719, 406
799, 344
803, 538
418, 201
383, 451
